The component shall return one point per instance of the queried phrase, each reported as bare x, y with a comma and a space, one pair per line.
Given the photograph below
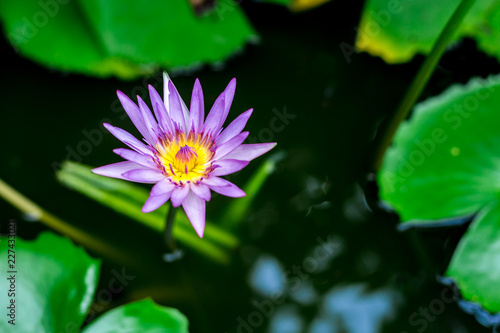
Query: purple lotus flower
184, 154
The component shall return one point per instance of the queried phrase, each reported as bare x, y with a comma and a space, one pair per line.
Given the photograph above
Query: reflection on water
312, 197
322, 325
266, 276
286, 320
305, 294
353, 309
355, 208
349, 308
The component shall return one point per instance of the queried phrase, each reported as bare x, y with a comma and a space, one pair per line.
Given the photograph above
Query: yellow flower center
183, 159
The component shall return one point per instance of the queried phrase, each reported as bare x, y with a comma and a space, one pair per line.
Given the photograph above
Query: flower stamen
186, 154
184, 159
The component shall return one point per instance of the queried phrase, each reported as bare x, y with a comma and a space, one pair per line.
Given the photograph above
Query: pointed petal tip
227, 167
197, 87
244, 136
247, 113
236, 194
200, 232
148, 208
96, 171
99, 171
230, 89
194, 207
115, 170
119, 151
166, 80
227, 188
123, 97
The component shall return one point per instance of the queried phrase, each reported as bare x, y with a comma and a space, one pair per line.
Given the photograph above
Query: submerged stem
422, 77
173, 253
169, 236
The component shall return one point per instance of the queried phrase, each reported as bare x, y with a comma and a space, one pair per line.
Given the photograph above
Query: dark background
338, 104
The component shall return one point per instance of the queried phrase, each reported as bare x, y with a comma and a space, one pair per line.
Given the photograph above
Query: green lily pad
55, 282
122, 38
475, 266
445, 164
398, 29
445, 160
141, 316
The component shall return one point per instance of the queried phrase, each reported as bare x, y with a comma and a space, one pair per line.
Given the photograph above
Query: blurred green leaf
475, 265
123, 38
239, 208
51, 272
127, 199
141, 316
397, 30
55, 283
445, 160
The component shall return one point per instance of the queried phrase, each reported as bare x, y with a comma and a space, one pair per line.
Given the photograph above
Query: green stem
173, 253
30, 208
238, 209
127, 199
422, 77
169, 236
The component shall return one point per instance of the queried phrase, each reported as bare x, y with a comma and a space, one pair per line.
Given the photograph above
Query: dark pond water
368, 278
